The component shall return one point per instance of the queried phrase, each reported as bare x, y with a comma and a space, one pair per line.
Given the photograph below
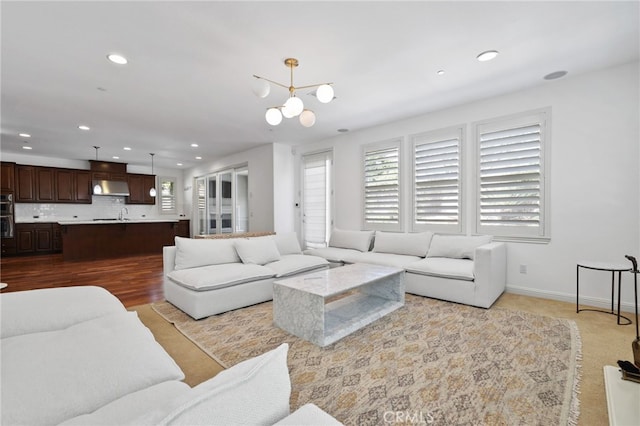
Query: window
381, 163
437, 188
512, 178
316, 199
167, 195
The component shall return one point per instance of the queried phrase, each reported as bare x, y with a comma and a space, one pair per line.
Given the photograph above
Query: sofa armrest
308, 414
490, 271
168, 261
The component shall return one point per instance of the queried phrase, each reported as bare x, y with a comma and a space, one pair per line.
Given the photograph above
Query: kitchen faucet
121, 215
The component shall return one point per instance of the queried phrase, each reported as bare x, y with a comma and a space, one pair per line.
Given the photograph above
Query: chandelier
293, 107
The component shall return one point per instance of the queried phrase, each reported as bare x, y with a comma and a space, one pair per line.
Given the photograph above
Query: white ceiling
191, 64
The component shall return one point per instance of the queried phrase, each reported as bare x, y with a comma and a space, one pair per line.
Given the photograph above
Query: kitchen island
110, 238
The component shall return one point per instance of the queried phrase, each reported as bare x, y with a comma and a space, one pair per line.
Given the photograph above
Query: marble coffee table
323, 307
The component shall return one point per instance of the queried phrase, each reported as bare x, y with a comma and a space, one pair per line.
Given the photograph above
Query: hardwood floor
134, 280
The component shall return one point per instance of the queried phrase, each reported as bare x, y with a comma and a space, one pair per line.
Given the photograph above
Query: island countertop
115, 221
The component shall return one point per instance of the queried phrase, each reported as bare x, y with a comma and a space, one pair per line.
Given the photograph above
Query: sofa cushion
356, 240
123, 410
253, 392
219, 276
459, 269
287, 243
456, 246
257, 251
51, 309
412, 244
336, 255
388, 259
291, 264
53, 376
192, 252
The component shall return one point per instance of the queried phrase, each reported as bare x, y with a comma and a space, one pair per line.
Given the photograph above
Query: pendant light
152, 191
97, 189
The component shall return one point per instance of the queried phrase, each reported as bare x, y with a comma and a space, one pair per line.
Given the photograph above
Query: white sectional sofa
463, 269
204, 277
75, 356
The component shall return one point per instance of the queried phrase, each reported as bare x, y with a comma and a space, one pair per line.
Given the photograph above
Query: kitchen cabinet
8, 246
36, 184
99, 240
139, 186
45, 184
7, 176
35, 238
108, 170
183, 229
25, 184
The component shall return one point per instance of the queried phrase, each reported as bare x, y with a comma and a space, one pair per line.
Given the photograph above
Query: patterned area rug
430, 362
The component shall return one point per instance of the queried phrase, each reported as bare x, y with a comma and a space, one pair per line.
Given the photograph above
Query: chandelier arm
271, 81
312, 85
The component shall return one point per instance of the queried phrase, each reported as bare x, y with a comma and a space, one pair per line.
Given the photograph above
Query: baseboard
596, 302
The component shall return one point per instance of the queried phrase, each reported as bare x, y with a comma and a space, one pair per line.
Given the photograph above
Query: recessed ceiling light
117, 59
26, 147
198, 158
487, 56
25, 135
194, 145
115, 157
126, 148
555, 74
83, 127
343, 130
178, 164
440, 72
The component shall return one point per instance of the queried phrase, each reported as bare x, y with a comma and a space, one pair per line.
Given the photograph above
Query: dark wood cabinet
37, 238
45, 184
139, 186
7, 176
108, 170
56, 235
65, 185
83, 186
183, 229
25, 184
8, 246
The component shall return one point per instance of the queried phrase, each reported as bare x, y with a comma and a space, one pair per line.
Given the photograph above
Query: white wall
283, 182
102, 206
260, 163
595, 202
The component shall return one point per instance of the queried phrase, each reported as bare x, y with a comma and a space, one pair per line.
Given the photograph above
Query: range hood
110, 187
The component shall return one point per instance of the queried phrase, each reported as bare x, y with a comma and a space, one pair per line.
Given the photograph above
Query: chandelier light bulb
260, 88
307, 118
273, 116
293, 106
324, 93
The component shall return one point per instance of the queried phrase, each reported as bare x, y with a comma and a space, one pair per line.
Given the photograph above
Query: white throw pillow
252, 392
412, 244
194, 252
257, 251
287, 243
53, 376
357, 240
456, 246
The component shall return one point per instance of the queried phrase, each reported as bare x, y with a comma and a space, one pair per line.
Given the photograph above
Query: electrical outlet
523, 269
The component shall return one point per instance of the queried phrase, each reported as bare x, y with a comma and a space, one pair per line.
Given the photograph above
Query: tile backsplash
102, 207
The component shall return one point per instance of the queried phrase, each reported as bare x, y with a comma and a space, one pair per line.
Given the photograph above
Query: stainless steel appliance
6, 216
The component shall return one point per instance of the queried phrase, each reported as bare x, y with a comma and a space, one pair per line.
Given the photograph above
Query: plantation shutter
316, 199
511, 178
382, 187
437, 187
167, 196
